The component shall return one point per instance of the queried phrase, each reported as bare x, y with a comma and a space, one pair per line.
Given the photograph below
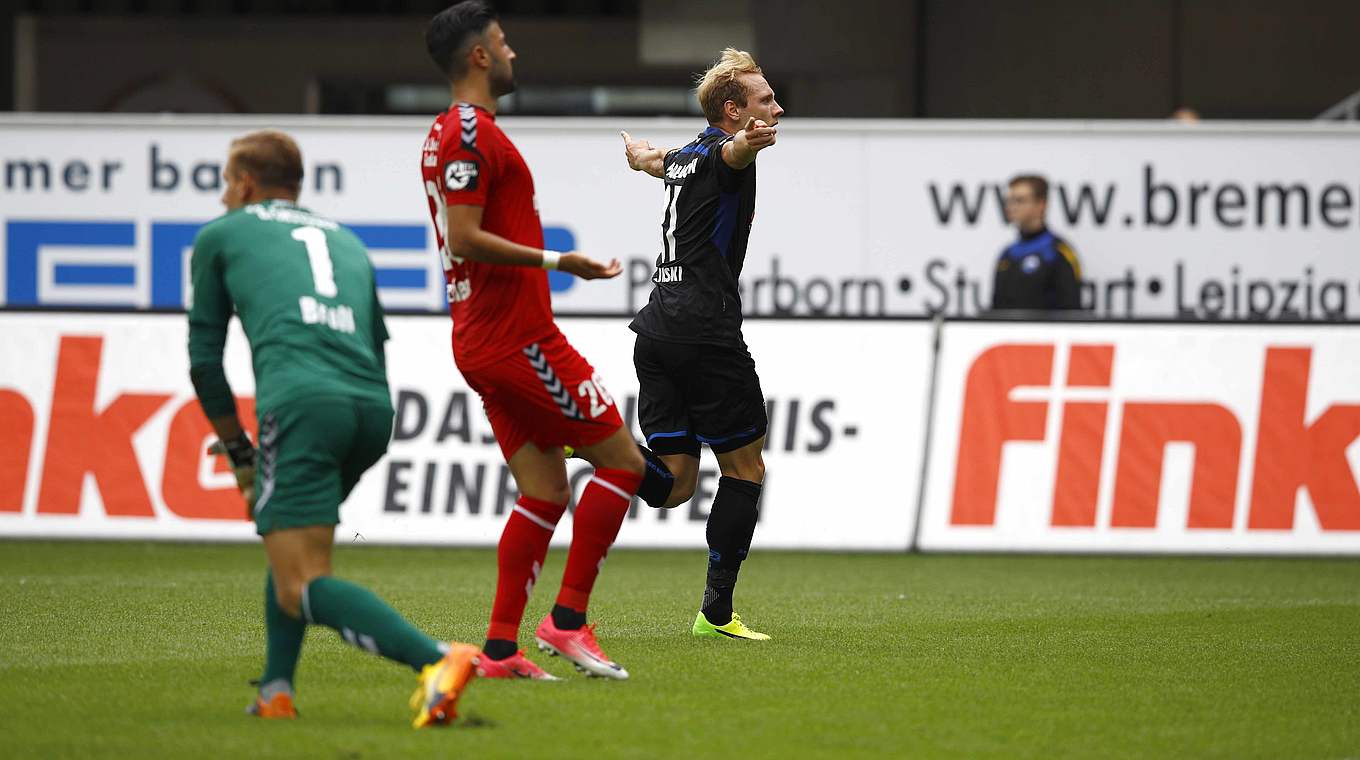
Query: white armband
550, 259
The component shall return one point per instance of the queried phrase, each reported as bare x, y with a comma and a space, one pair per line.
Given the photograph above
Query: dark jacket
1039, 271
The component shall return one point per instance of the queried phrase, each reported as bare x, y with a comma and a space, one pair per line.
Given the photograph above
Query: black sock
499, 649
731, 524
657, 480
566, 618
717, 605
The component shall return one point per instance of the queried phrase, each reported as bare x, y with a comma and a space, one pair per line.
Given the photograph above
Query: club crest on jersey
460, 175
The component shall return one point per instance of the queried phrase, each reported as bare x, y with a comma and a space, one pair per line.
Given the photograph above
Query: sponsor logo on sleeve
460, 175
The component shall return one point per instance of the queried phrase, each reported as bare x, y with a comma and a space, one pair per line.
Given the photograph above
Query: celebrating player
303, 288
698, 381
539, 394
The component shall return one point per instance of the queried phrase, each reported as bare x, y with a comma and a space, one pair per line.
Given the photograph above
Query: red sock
519, 558
595, 525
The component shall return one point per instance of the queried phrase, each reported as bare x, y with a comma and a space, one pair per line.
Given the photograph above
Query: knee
757, 471
557, 493
550, 490
291, 590
630, 460
626, 458
554, 490
288, 595
681, 491
753, 471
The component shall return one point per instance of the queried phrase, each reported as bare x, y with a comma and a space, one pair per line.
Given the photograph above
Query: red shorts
546, 393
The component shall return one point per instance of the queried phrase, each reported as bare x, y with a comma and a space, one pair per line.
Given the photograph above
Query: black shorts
692, 394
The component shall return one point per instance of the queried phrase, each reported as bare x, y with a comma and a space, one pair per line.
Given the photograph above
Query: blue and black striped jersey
704, 232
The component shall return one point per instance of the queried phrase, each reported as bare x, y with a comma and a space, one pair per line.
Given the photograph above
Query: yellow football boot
735, 629
442, 683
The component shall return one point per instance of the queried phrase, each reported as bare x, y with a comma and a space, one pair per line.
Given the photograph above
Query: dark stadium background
1229, 59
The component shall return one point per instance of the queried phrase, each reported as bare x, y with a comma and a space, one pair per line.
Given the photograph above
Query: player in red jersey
539, 394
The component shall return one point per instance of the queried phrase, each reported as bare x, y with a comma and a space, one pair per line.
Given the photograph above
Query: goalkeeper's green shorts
312, 453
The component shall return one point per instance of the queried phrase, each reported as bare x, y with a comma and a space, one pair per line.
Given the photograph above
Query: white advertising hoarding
1145, 438
854, 217
103, 437
1046, 437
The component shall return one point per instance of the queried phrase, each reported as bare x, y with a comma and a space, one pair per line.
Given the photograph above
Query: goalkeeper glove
241, 453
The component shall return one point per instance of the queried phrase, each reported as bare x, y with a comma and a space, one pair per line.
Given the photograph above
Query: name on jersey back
681, 171
671, 273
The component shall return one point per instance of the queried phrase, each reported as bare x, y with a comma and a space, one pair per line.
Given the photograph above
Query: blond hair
271, 157
720, 83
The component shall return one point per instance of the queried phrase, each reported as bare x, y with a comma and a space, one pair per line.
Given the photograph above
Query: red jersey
497, 310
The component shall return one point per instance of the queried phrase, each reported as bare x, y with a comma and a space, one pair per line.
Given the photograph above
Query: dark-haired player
303, 288
539, 394
698, 380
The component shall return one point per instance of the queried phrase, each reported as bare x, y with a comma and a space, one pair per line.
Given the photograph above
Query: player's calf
658, 482
595, 525
731, 526
519, 559
670, 479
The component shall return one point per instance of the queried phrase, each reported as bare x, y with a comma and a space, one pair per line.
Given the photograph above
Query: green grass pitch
144, 650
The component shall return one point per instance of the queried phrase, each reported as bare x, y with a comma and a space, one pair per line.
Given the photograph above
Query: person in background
1185, 115
1039, 271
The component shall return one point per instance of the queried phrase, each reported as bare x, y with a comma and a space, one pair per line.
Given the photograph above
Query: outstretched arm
740, 152
642, 157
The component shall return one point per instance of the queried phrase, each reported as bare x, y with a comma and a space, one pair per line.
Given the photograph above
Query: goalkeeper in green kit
304, 291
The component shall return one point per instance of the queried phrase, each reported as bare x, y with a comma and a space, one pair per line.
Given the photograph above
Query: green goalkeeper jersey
303, 287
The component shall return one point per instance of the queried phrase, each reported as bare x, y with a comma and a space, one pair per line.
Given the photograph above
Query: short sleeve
728, 178
464, 169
